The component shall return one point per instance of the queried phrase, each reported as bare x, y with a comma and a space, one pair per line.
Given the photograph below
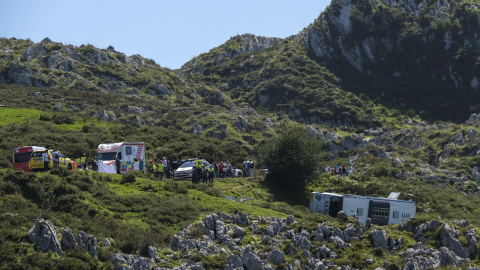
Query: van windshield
106, 156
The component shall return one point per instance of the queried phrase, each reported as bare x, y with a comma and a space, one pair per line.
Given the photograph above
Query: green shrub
128, 178
292, 159
174, 186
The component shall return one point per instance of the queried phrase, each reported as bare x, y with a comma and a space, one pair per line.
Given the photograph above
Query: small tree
292, 159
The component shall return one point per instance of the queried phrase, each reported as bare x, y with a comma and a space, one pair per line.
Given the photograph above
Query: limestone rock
44, 236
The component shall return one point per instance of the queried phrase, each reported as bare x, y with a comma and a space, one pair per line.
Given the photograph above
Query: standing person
337, 170
246, 165
150, 166
228, 168
77, 161
165, 166
94, 164
84, 161
215, 168
154, 169
45, 159
140, 164
55, 158
198, 170
117, 164
252, 168
136, 164
344, 171
211, 172
160, 169
221, 168
204, 174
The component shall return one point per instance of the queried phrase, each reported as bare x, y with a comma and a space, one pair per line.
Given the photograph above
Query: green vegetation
292, 159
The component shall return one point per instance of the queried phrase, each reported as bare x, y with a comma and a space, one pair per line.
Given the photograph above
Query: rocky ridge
280, 243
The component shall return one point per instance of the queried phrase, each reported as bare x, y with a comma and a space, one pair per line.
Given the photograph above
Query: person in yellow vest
84, 161
154, 169
160, 169
79, 165
198, 170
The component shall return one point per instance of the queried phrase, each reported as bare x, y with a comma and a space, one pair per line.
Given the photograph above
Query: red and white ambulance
126, 152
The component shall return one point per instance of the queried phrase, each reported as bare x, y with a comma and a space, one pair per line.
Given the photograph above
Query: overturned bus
381, 211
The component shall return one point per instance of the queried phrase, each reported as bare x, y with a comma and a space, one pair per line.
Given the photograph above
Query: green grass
18, 115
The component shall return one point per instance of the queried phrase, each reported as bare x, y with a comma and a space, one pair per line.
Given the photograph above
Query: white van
127, 152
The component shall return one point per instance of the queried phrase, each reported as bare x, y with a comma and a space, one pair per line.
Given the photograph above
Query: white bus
381, 211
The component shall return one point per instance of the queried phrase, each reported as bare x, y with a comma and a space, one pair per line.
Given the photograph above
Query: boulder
250, 260
233, 262
379, 239
44, 236
276, 257
68, 240
238, 232
451, 242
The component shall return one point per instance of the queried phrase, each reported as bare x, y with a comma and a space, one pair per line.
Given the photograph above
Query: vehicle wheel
240, 174
69, 166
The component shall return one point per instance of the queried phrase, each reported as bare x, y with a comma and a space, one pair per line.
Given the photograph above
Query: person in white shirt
45, 160
136, 164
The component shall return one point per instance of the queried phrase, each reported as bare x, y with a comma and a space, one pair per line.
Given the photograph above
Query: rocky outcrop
44, 237
222, 234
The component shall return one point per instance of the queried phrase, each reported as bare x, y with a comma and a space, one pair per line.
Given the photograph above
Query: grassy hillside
135, 212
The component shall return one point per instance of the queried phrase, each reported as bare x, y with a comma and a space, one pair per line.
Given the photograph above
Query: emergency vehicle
126, 152
21, 157
381, 211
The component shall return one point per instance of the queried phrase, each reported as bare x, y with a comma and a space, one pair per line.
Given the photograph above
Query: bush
128, 178
60, 119
176, 187
291, 159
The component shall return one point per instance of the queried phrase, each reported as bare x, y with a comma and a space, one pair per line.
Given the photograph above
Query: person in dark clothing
117, 163
94, 165
211, 172
204, 175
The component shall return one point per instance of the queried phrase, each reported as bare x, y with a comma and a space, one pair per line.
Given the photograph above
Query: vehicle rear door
36, 160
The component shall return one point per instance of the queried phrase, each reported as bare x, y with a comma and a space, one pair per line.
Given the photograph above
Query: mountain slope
421, 54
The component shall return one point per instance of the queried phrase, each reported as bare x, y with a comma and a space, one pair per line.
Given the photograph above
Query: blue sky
170, 32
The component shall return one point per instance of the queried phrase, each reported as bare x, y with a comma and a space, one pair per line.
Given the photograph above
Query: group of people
249, 166
338, 169
159, 169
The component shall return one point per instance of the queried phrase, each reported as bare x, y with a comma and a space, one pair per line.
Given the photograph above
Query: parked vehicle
236, 172
381, 211
36, 161
185, 170
126, 153
22, 155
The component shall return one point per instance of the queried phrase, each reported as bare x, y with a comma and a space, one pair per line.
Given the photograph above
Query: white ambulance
126, 152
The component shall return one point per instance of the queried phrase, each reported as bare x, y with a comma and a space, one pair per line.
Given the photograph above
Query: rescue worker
198, 170
154, 169
79, 165
211, 172
160, 169
246, 165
